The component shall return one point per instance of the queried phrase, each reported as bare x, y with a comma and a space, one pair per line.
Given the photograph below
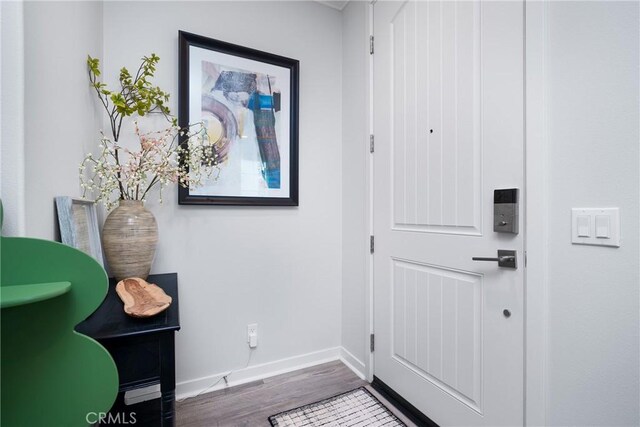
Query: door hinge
371, 144
371, 45
372, 245
372, 342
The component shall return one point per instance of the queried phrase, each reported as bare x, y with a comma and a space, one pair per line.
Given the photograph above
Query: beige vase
130, 237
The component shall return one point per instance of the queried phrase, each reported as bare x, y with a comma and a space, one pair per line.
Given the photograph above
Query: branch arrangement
172, 155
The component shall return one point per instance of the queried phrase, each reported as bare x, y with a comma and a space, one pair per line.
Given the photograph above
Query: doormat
355, 408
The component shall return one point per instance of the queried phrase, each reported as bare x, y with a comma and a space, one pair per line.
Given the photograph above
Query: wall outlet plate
252, 334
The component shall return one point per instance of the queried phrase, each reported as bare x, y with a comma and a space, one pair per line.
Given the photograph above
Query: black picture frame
188, 40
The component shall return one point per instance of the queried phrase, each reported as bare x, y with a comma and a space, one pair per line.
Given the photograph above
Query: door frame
535, 214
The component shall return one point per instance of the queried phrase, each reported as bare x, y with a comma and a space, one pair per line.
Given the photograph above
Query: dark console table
143, 350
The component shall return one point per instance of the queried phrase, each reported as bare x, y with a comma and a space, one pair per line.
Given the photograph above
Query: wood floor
251, 404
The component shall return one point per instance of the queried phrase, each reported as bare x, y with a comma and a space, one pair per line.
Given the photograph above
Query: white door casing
448, 83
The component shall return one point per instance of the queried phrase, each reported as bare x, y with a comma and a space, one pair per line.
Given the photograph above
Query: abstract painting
247, 101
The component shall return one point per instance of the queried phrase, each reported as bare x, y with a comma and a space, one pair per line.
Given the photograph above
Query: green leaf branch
136, 95
161, 159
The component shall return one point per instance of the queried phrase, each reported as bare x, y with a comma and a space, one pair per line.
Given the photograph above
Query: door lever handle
505, 258
499, 259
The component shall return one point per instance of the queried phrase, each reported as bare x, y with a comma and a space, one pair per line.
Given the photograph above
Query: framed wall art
247, 101
79, 227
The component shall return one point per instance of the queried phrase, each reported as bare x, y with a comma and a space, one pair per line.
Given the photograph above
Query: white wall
279, 267
593, 111
355, 153
61, 117
12, 117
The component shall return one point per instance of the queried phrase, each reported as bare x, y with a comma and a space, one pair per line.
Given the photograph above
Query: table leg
168, 380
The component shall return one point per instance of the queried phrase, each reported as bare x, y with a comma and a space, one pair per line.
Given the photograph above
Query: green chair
50, 374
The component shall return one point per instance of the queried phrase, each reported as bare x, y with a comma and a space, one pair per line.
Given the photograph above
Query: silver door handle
505, 258
499, 259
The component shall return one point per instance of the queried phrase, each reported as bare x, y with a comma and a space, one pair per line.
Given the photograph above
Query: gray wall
48, 113
355, 209
278, 267
12, 115
593, 162
60, 113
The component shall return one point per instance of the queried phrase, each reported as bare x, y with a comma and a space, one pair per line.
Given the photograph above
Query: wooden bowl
142, 299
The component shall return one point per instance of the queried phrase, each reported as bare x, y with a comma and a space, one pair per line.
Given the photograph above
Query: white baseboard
192, 388
353, 363
257, 372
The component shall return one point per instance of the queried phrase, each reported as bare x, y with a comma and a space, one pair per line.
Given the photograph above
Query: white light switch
602, 227
595, 226
584, 226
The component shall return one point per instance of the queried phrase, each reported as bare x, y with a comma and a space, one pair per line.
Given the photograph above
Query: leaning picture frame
247, 101
78, 222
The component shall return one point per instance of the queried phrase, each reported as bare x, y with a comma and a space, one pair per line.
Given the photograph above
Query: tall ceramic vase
130, 237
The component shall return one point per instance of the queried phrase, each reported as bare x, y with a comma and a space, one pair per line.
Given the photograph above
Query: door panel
448, 120
437, 327
436, 116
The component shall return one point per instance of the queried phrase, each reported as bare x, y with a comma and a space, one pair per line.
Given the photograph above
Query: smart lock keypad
505, 210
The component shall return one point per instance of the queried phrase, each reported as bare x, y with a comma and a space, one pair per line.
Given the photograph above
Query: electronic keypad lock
505, 211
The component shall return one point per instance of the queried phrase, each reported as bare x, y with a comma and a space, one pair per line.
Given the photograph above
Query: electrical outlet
252, 335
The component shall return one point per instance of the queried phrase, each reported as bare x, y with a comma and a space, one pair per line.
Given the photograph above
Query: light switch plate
595, 226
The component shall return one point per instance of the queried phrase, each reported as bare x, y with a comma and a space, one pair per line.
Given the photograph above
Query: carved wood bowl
142, 299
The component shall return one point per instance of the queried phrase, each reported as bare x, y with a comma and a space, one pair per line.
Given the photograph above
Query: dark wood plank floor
251, 404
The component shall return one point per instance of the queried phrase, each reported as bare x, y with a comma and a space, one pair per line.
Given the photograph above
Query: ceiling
334, 4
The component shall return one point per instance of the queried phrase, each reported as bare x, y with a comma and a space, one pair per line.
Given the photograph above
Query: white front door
449, 129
